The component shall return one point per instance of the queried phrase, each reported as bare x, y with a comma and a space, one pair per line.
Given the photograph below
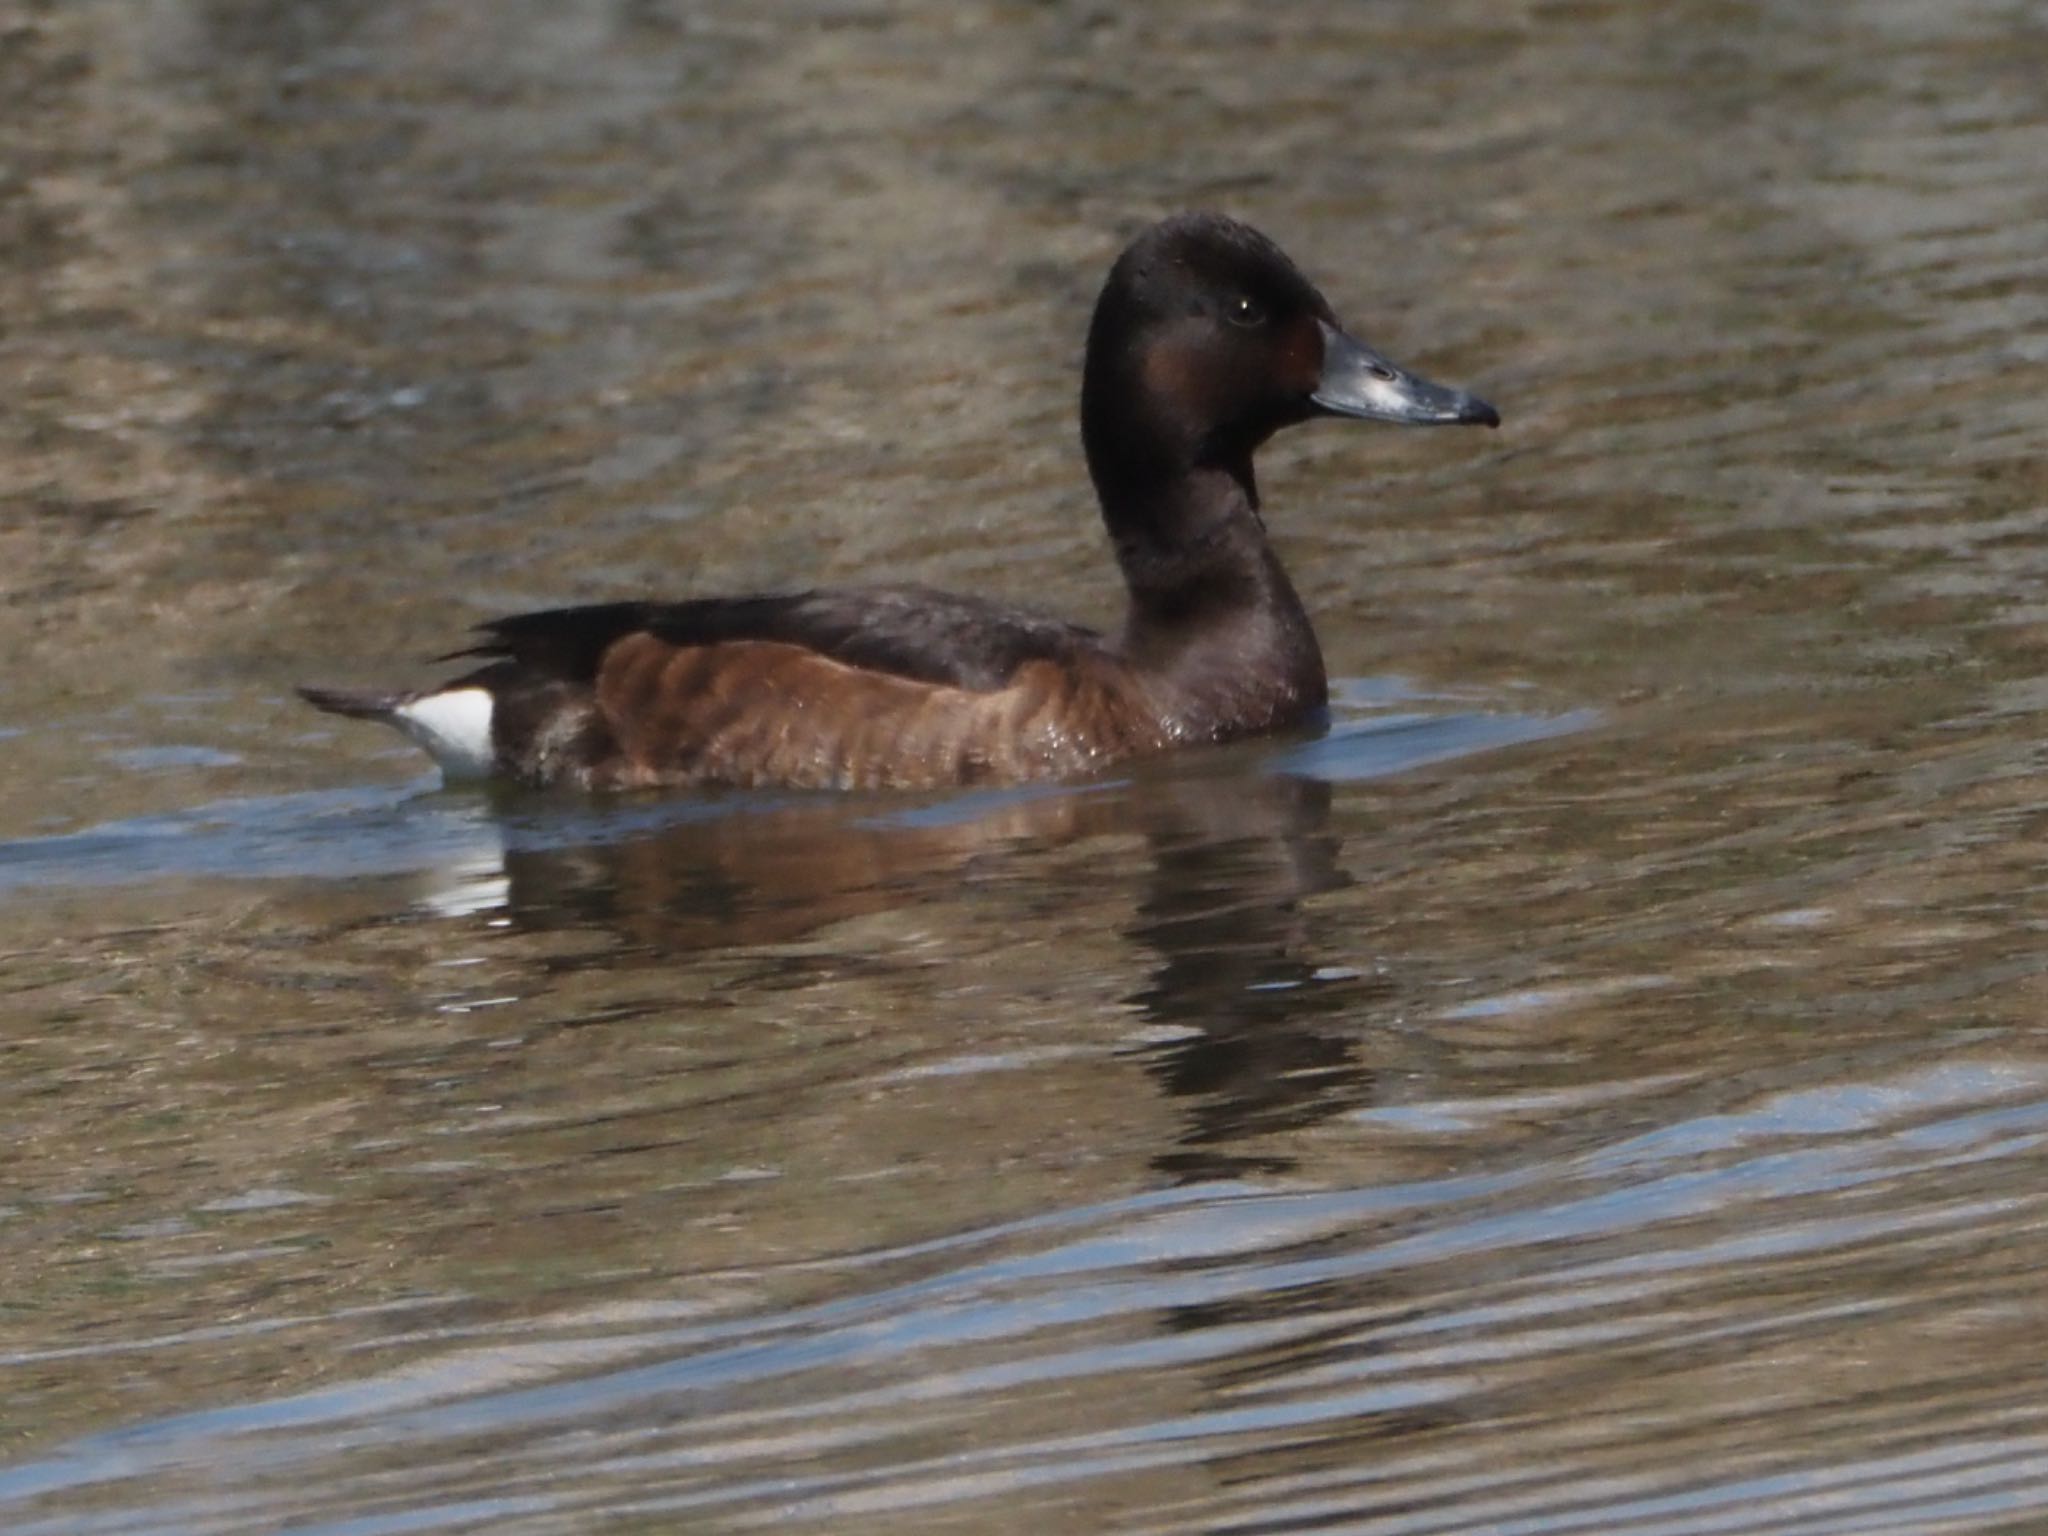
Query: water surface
1598, 1087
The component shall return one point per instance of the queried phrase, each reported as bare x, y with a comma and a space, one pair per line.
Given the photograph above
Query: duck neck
1212, 616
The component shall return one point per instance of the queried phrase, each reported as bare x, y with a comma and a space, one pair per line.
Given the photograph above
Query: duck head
1206, 340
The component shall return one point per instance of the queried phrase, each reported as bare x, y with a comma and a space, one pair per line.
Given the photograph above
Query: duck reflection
1247, 1026
1265, 1034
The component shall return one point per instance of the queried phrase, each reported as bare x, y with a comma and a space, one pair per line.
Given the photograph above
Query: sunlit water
1598, 1086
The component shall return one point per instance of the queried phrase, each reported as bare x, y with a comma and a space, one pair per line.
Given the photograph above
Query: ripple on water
1151, 1342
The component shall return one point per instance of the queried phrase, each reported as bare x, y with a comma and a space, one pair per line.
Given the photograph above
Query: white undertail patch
455, 727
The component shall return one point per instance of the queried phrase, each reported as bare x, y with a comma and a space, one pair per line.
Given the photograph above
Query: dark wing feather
909, 632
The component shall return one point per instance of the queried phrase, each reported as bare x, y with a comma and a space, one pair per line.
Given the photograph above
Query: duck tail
453, 724
356, 703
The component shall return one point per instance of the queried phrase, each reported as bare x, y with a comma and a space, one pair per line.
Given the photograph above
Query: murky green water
1601, 1087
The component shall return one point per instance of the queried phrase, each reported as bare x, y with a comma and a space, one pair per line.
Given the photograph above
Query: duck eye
1246, 310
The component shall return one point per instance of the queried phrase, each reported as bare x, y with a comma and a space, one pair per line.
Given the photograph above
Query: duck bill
1358, 382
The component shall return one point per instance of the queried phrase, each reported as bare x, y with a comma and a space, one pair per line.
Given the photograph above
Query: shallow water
1600, 1086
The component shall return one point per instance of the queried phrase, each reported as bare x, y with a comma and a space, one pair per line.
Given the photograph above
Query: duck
1205, 341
